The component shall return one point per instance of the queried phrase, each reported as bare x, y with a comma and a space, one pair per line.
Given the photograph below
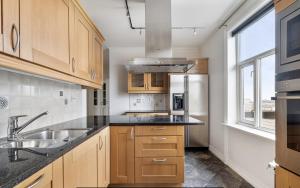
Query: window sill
253, 131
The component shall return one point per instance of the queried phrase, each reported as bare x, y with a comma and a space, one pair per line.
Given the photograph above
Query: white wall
247, 153
119, 56
28, 95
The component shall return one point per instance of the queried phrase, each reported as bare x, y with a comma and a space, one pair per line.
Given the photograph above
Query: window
256, 72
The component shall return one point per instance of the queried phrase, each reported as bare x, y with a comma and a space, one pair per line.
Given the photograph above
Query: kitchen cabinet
286, 179
280, 5
41, 179
80, 43
122, 155
200, 67
96, 70
57, 173
104, 158
1, 34
11, 27
45, 33
80, 165
147, 83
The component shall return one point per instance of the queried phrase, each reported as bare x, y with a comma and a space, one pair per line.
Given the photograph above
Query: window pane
258, 37
267, 91
248, 93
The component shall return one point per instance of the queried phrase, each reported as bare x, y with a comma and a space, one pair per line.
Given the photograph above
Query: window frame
256, 62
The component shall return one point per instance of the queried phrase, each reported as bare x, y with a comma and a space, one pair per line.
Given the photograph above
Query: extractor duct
158, 42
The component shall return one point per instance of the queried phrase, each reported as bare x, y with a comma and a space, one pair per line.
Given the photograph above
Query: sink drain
3, 103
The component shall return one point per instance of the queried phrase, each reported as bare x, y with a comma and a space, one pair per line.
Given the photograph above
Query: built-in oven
288, 38
288, 130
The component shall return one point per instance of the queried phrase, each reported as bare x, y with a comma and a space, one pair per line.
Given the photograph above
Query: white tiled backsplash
28, 95
145, 102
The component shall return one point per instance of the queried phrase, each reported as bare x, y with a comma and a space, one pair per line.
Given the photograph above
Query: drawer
159, 170
42, 179
159, 146
159, 130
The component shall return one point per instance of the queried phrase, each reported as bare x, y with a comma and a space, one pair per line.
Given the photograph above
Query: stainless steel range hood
158, 42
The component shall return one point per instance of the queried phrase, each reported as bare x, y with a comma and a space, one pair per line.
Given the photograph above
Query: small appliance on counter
189, 96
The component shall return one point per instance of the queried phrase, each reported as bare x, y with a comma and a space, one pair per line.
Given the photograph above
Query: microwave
288, 39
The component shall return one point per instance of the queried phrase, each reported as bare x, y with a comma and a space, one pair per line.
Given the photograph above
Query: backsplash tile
28, 95
148, 102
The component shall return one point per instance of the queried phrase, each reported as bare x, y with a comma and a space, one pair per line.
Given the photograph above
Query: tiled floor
203, 169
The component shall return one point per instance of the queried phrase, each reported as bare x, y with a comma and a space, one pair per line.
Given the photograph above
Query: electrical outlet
61, 93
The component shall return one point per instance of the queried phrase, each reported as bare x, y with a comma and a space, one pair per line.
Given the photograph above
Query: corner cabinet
280, 5
148, 82
286, 179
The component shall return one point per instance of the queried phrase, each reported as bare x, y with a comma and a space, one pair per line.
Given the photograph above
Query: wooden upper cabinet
158, 81
148, 82
137, 82
96, 65
280, 5
45, 33
200, 67
80, 43
1, 34
286, 179
11, 27
122, 155
80, 165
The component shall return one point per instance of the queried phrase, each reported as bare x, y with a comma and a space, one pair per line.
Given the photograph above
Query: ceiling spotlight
195, 32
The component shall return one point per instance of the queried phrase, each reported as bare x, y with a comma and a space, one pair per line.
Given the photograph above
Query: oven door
288, 130
290, 38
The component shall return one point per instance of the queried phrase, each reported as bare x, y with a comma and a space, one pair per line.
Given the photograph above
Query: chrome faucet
14, 129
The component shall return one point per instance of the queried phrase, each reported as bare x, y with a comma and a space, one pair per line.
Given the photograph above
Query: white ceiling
110, 17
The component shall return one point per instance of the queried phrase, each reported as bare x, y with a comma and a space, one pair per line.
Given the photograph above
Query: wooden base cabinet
104, 158
286, 179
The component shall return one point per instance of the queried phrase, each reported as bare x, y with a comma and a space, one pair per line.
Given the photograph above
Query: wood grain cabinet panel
148, 82
96, 69
58, 173
157, 82
45, 33
80, 43
122, 155
1, 30
80, 165
41, 179
159, 146
286, 179
11, 27
159, 170
280, 5
104, 158
159, 130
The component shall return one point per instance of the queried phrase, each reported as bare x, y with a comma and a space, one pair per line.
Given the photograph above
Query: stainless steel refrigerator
189, 96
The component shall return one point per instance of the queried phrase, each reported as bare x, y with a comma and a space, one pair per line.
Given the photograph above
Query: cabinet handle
159, 138
73, 64
132, 133
159, 160
36, 182
101, 141
159, 128
14, 45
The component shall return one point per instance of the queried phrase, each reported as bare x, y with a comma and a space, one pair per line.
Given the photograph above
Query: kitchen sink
32, 144
65, 134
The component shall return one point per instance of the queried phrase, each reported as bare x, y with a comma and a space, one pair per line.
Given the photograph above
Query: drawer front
159, 146
41, 179
159, 170
159, 130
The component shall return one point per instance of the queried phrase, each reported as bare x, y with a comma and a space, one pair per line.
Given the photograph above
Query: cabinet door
97, 61
103, 159
45, 33
158, 81
11, 27
80, 43
57, 173
122, 155
137, 82
1, 34
41, 179
80, 165
281, 178
282, 4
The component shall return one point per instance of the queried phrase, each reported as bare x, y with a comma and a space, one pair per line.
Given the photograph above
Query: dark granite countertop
16, 168
147, 111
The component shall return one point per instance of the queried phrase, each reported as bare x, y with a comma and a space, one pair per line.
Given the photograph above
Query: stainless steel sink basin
32, 144
65, 135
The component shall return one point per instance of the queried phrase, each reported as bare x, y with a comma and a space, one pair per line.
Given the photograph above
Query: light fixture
195, 32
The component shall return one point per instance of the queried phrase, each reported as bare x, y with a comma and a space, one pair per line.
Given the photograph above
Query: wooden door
80, 165
80, 43
11, 27
41, 179
1, 34
157, 81
282, 4
137, 82
122, 155
103, 158
45, 33
281, 178
57, 173
97, 60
